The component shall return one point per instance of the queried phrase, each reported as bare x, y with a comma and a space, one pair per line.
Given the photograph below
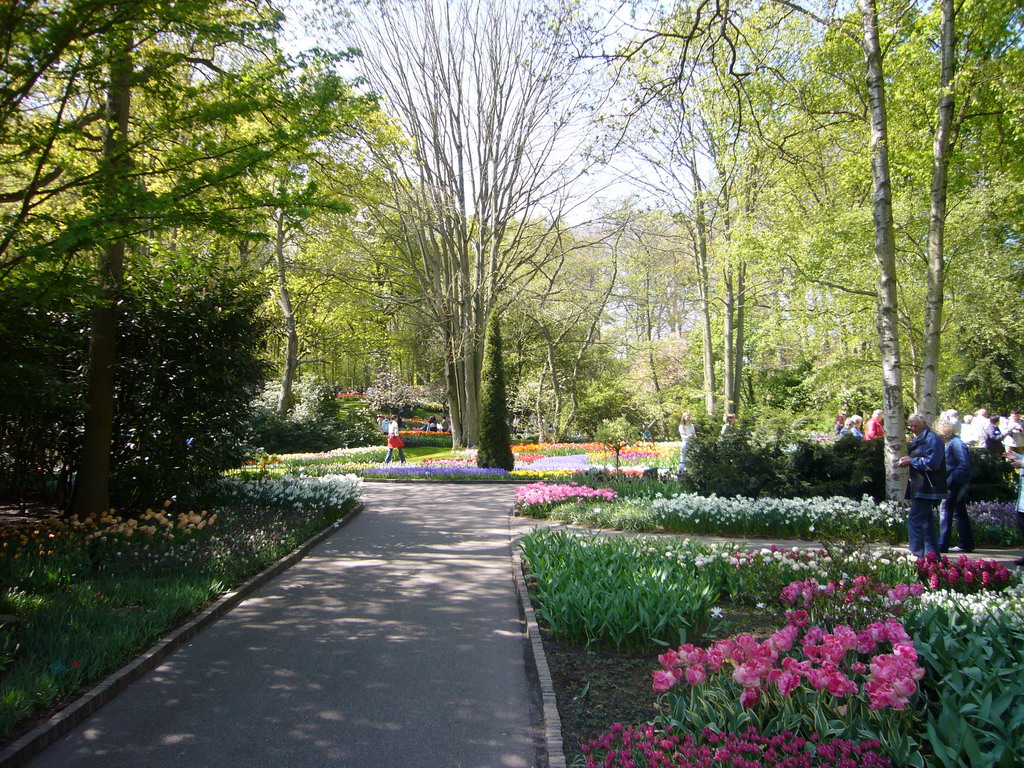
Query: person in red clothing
875, 426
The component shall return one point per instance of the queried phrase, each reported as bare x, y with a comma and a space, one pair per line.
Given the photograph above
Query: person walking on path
394, 443
926, 486
686, 433
958, 482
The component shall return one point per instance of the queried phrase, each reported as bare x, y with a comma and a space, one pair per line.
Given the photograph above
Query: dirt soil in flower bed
597, 688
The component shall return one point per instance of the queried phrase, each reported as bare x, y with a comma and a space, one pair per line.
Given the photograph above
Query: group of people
854, 426
940, 476
939, 464
997, 433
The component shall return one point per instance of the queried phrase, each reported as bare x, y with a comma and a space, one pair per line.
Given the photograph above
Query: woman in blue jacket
958, 481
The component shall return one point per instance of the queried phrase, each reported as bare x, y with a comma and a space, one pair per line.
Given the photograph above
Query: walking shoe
1019, 561
958, 549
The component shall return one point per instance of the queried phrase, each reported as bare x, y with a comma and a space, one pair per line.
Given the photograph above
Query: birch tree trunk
704, 289
931, 346
92, 483
885, 254
728, 347
291, 335
741, 311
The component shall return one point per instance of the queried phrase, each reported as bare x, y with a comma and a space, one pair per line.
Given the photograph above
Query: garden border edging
552, 721
35, 741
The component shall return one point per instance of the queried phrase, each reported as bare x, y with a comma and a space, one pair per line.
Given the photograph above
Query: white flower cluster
314, 494
809, 512
884, 556
803, 563
1007, 605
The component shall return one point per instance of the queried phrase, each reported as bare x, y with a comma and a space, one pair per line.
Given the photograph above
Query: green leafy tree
495, 439
615, 434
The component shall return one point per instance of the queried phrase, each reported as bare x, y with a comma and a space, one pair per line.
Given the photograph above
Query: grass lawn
416, 454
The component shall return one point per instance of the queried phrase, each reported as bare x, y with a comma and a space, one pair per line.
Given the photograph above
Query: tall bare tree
486, 94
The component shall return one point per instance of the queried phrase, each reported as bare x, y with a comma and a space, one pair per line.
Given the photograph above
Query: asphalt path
396, 642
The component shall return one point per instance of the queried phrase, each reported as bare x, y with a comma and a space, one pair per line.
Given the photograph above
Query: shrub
189, 364
846, 467
495, 449
317, 422
993, 478
738, 464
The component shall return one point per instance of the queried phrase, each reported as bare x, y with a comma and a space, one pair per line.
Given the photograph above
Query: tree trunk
741, 311
471, 364
92, 483
885, 254
284, 300
728, 346
931, 345
556, 385
704, 292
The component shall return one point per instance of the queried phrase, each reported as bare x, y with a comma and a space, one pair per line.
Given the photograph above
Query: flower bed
122, 582
838, 517
864, 652
547, 494
646, 745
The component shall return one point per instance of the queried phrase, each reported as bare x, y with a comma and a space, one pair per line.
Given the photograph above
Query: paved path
397, 642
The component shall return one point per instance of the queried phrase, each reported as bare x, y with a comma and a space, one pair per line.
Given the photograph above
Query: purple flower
433, 472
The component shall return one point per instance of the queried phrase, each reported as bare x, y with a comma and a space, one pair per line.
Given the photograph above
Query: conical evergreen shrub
495, 448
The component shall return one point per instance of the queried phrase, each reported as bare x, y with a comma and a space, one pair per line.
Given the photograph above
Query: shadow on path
397, 642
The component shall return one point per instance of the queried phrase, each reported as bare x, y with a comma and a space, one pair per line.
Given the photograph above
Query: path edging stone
35, 741
552, 721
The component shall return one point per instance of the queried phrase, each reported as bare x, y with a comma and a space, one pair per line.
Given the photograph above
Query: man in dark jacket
926, 486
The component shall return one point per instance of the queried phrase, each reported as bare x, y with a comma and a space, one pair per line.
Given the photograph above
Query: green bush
318, 422
849, 466
495, 449
739, 464
42, 337
993, 477
773, 463
189, 365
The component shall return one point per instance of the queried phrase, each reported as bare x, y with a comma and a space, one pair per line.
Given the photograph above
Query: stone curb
552, 722
35, 741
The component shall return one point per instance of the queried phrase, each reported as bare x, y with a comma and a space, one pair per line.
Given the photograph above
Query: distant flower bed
557, 449
574, 462
448, 463
439, 474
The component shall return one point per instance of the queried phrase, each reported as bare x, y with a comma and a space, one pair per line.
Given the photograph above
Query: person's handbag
395, 442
